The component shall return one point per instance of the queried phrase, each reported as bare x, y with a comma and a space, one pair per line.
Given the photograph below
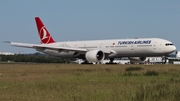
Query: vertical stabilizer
44, 35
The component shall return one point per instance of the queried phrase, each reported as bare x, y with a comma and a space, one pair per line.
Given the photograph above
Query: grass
71, 82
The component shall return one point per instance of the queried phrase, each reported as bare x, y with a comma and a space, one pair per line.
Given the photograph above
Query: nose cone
171, 49
174, 48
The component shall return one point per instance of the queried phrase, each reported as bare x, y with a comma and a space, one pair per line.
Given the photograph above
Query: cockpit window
168, 44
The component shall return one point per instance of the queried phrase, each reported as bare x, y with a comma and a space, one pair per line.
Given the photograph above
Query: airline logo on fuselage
134, 42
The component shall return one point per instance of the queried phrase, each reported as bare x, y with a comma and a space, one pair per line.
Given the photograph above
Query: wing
45, 46
37, 46
17, 44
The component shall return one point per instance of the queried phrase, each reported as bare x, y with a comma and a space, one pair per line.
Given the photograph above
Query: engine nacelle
94, 56
137, 59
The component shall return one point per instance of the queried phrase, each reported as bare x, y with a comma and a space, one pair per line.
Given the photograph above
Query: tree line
35, 58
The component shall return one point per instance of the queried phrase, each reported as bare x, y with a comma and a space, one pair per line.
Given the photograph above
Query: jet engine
135, 60
94, 56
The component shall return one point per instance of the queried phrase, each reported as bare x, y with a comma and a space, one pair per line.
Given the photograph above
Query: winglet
44, 35
7, 41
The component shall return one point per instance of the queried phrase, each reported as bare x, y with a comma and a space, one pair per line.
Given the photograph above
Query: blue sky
69, 20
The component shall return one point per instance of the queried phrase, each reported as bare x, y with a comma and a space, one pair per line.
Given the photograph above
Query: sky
71, 20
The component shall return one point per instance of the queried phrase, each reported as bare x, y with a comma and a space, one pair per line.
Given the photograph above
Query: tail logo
44, 36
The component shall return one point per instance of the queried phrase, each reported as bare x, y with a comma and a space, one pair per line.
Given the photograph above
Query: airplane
98, 50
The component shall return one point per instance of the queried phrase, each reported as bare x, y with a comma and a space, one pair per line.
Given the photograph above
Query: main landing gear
86, 62
111, 61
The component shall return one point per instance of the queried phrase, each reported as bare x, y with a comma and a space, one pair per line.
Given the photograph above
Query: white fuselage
143, 47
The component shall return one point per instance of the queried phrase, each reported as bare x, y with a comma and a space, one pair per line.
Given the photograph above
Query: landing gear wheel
164, 59
111, 61
86, 62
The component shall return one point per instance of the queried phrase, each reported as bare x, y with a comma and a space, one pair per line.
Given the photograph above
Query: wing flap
60, 48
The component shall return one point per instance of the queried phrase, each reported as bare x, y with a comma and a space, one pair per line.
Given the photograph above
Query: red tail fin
44, 35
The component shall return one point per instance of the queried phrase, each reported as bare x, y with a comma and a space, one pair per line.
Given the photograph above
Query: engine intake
94, 56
